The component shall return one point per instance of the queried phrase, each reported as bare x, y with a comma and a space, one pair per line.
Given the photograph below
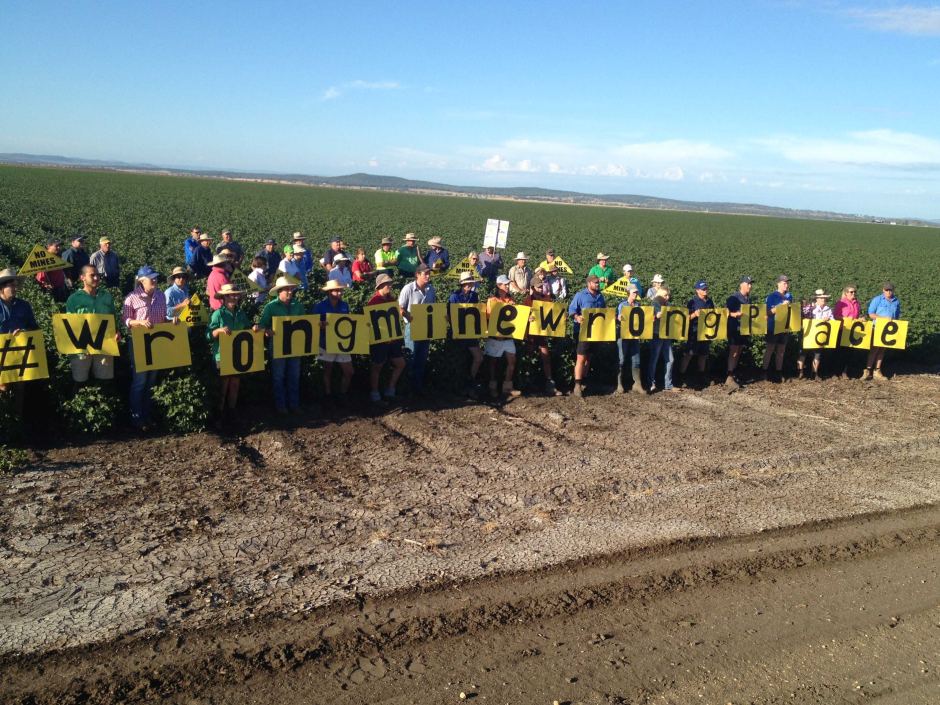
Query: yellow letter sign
94, 336
159, 348
22, 357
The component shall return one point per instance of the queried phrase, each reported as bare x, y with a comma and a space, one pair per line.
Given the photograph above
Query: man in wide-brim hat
221, 271
604, 274
385, 258
408, 256
380, 353
333, 303
285, 371
438, 258
224, 321
520, 275
177, 294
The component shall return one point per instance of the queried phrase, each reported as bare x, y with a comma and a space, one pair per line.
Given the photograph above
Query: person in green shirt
604, 274
409, 256
226, 320
92, 299
285, 371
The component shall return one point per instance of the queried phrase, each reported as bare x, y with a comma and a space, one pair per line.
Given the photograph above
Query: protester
604, 274
628, 348
177, 294
547, 263
285, 371
476, 268
660, 345
555, 284
884, 306
776, 342
271, 257
361, 267
541, 291
819, 312
736, 341
191, 246
340, 271
418, 291
225, 320
408, 256
385, 257
333, 303
467, 294
438, 258
847, 308
144, 307
633, 279
498, 346
333, 249
16, 315
491, 262
388, 352
653, 291
520, 276
54, 282
78, 257
258, 276
202, 257
694, 347
293, 265
219, 275
589, 297
227, 243
298, 239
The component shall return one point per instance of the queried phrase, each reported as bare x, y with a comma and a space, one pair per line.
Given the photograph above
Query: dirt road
612, 550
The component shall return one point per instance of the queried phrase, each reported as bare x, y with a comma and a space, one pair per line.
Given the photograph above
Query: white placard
496, 234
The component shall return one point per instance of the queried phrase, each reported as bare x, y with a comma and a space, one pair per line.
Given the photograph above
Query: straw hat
227, 290
821, 294
8, 275
521, 255
298, 236
658, 279
283, 283
467, 278
435, 242
332, 285
386, 241
601, 255
180, 272
340, 257
204, 236
220, 258
410, 237
382, 280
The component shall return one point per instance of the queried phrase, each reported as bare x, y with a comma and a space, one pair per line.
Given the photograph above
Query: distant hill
396, 183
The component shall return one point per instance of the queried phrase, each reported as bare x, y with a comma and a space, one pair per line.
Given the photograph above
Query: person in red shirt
361, 267
380, 353
54, 282
218, 277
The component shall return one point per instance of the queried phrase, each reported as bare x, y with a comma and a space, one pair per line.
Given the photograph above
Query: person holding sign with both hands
224, 321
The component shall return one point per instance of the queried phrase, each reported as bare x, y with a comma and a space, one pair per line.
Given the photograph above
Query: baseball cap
549, 252
783, 278
288, 249
502, 279
628, 267
270, 241
147, 272
78, 238
103, 239
53, 241
701, 284
335, 238
746, 280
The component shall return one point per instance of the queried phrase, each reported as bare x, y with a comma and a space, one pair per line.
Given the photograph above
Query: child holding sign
224, 321
820, 311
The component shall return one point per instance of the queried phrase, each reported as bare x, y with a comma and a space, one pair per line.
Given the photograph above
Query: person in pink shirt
846, 308
218, 277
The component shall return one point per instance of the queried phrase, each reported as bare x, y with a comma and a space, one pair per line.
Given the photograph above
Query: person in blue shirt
15, 315
333, 303
629, 348
190, 245
886, 305
467, 294
696, 348
177, 295
271, 257
776, 342
437, 258
201, 258
660, 347
300, 240
588, 297
736, 341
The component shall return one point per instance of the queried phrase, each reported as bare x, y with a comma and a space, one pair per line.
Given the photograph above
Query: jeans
629, 348
419, 358
285, 373
659, 348
141, 384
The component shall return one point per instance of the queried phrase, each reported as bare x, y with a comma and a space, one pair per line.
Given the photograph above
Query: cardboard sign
712, 325
88, 333
496, 234
295, 336
428, 321
753, 319
636, 323
347, 333
856, 333
620, 288
788, 318
508, 320
548, 319
161, 347
240, 281
674, 323
384, 322
889, 334
241, 352
196, 313
22, 357
819, 335
462, 266
40, 260
598, 325
562, 266
467, 321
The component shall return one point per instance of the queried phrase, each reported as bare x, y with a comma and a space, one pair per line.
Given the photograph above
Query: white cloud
497, 163
331, 93
672, 151
373, 162
872, 148
334, 92
904, 19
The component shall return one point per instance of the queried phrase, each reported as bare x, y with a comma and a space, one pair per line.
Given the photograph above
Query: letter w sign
89, 333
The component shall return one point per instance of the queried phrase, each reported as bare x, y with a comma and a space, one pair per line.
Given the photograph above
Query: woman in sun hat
653, 291
285, 371
604, 274
333, 303
341, 272
225, 320
438, 258
819, 312
467, 294
520, 275
380, 353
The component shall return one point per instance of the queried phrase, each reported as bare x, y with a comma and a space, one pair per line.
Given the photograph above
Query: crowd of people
277, 274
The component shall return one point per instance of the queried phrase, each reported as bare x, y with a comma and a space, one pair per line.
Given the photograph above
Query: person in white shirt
257, 277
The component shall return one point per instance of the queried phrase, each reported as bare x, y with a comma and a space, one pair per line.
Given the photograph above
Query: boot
508, 389
869, 374
730, 381
578, 390
637, 381
878, 374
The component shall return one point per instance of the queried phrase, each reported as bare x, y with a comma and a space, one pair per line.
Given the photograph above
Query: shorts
383, 352
497, 347
97, 366
698, 347
776, 339
324, 356
585, 348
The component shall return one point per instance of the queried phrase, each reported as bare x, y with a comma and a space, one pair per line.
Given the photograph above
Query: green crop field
149, 216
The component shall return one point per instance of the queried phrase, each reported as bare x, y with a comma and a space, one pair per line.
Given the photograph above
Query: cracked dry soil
414, 555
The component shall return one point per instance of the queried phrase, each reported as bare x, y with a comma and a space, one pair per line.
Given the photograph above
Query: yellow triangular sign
39, 260
195, 314
621, 288
562, 266
462, 266
241, 281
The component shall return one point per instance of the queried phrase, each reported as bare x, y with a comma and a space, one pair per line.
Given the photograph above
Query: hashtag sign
22, 362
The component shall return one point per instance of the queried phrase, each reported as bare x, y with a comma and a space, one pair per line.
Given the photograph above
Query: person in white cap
635, 280
520, 275
220, 274
341, 271
653, 291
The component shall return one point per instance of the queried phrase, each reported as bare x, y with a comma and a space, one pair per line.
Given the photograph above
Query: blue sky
827, 105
